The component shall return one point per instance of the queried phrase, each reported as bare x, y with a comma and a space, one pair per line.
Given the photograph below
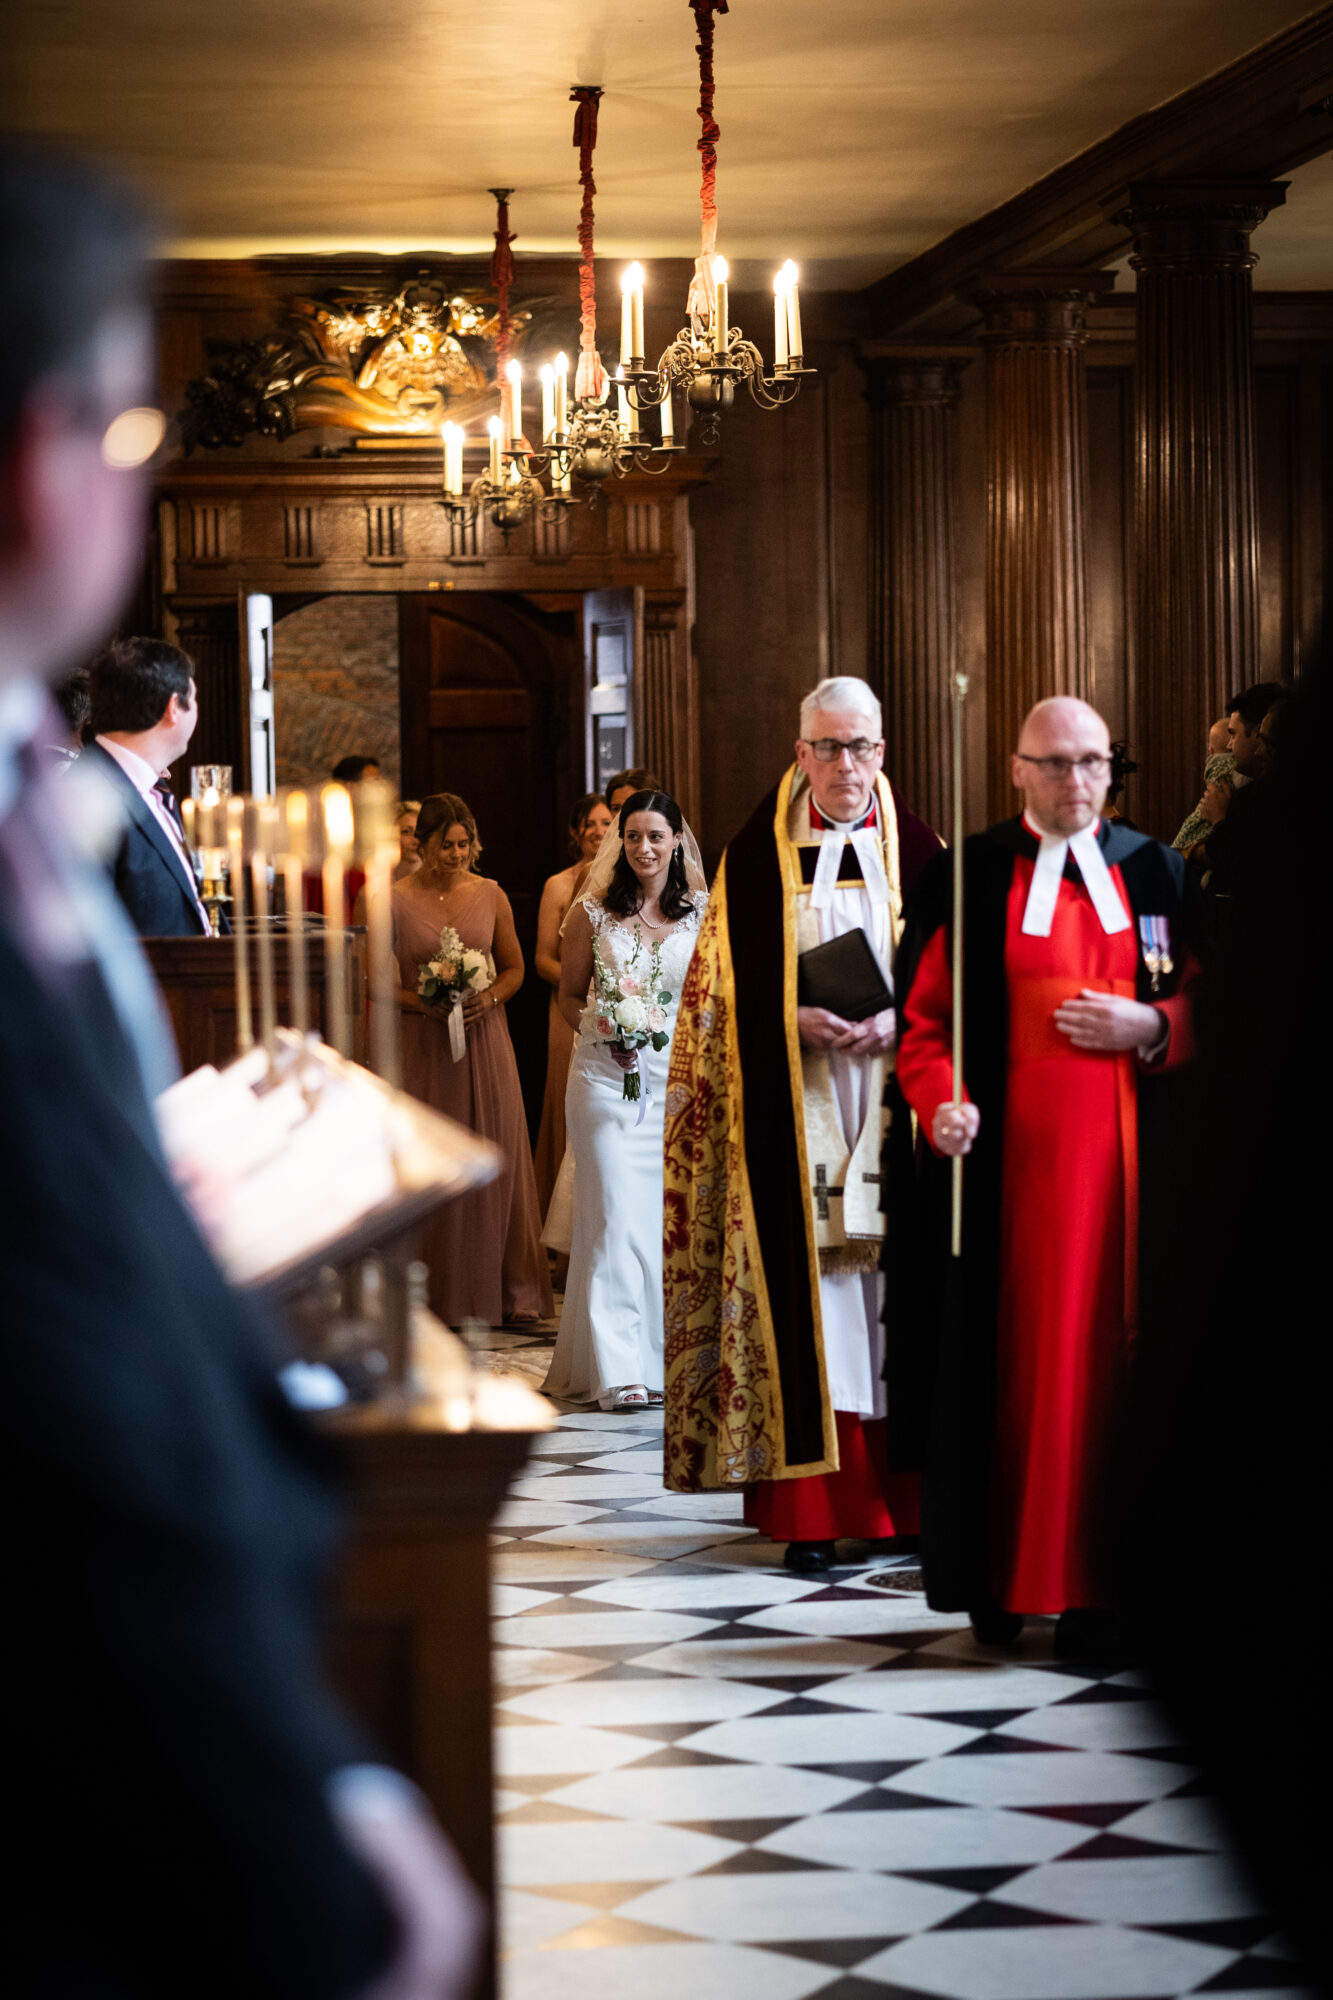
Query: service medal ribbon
1155, 943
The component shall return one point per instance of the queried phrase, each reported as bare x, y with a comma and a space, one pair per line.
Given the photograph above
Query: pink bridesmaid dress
485, 1260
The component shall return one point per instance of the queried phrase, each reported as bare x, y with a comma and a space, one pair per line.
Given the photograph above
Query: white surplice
851, 1302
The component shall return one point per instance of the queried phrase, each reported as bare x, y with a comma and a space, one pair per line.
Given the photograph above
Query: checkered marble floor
716, 1779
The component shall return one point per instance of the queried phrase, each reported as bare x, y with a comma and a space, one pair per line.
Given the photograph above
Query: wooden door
492, 709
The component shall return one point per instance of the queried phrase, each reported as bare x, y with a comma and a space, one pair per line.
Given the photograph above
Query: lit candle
266, 817
515, 374
339, 833
494, 429
622, 402
547, 376
453, 460
296, 845
668, 425
720, 329
380, 846
561, 394
794, 340
245, 1034
780, 349
631, 314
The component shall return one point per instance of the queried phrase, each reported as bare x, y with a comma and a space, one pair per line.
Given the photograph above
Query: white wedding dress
611, 1326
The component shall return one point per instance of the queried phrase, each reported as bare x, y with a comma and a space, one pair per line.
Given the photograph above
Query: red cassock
1068, 1292
859, 1502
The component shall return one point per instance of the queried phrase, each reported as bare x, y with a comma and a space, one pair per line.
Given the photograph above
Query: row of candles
252, 844
505, 432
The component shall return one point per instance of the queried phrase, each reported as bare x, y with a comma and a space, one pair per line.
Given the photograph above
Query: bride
639, 911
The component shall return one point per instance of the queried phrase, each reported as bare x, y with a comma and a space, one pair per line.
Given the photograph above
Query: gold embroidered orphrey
725, 1423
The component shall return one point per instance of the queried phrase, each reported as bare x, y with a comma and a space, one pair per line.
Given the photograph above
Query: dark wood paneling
1110, 401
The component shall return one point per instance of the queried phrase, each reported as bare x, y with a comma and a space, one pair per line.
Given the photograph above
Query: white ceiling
855, 133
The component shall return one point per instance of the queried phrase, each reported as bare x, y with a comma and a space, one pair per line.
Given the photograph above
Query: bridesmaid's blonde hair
443, 810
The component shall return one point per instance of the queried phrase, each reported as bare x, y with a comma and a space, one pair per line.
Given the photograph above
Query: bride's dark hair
623, 894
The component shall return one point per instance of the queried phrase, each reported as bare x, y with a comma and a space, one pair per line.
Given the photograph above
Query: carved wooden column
911, 624
1036, 476
1197, 613
666, 715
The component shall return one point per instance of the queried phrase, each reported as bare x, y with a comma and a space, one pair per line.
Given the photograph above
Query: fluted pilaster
1034, 328
912, 397
1196, 616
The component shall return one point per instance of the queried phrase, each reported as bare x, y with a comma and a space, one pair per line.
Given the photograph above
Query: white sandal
629, 1399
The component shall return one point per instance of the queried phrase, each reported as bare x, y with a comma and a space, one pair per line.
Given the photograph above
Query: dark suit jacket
167, 1734
145, 868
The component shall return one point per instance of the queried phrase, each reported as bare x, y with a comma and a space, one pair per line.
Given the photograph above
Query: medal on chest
1155, 944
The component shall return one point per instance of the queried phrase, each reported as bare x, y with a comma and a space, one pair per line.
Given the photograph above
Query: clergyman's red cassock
1067, 1281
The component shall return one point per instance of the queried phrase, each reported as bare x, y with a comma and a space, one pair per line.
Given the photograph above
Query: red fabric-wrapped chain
702, 292
590, 379
502, 277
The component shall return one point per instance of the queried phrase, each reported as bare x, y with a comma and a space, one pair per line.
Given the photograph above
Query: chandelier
593, 438
710, 356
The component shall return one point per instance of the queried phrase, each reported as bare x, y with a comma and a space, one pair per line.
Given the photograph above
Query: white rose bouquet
631, 1009
443, 980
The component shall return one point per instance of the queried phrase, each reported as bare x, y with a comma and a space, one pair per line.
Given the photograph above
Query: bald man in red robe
1077, 933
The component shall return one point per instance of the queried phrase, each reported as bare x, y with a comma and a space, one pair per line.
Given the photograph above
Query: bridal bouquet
631, 1009
443, 980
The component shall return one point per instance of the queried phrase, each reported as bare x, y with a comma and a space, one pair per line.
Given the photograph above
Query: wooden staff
956, 1204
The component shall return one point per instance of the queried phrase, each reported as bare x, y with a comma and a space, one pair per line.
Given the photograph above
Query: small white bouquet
631, 1009
443, 980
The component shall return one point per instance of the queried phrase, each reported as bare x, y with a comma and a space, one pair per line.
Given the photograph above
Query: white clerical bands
827, 868
1049, 872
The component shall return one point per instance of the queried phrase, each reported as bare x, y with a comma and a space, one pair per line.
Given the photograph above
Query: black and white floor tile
716, 1779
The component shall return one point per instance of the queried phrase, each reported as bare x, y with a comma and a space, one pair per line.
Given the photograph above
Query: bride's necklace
665, 924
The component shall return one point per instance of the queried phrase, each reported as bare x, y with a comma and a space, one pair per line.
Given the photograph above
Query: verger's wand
956, 1203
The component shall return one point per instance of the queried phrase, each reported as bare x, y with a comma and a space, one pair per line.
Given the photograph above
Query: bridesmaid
587, 823
483, 1252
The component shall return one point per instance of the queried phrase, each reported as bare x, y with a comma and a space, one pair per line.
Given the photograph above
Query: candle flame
451, 431
339, 826
632, 279
721, 270
789, 273
514, 372
495, 427
562, 364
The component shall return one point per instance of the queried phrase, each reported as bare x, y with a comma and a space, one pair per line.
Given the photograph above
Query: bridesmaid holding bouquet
482, 1250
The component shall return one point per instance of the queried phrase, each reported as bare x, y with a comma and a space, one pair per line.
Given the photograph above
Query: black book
844, 976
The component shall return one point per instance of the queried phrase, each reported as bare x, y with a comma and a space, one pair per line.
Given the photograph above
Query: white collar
136, 768
1048, 872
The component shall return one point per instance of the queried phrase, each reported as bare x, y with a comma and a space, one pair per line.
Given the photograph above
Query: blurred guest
195, 1808
354, 770
1123, 767
485, 1260
1219, 782
1225, 850
73, 706
625, 783
1245, 737
409, 850
144, 712
1229, 1392
587, 824
409, 856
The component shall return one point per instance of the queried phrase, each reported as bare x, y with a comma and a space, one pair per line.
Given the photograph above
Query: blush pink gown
482, 1250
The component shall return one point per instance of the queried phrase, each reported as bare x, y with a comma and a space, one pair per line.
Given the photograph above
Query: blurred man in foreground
196, 1815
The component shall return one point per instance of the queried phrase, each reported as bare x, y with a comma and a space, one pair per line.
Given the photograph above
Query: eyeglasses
1058, 769
828, 749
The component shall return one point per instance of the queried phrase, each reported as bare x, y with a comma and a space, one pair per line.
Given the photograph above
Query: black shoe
810, 1558
1091, 1639
993, 1626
